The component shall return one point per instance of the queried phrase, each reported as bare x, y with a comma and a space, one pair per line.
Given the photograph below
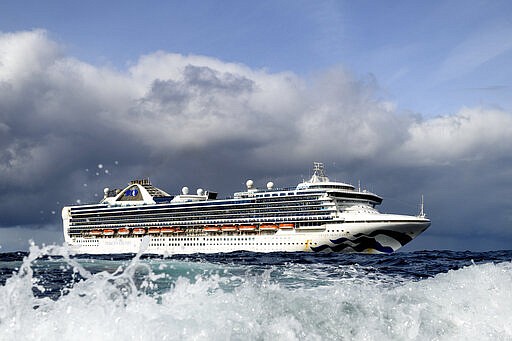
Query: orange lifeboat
153, 230
95, 233
286, 226
211, 229
108, 232
139, 231
268, 227
247, 228
123, 232
167, 230
178, 231
228, 228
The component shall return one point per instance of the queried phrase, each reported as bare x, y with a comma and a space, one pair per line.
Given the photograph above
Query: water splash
189, 298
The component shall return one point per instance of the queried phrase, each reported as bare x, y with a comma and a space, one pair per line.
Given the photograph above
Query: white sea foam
473, 303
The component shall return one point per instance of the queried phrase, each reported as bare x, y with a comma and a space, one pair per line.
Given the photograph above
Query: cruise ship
317, 215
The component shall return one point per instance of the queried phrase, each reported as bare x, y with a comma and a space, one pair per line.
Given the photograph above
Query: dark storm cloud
202, 79
68, 129
205, 78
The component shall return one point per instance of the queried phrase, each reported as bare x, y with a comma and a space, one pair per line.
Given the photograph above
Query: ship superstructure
316, 215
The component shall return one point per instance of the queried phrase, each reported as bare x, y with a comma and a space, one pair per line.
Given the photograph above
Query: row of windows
317, 221
123, 220
209, 213
227, 244
163, 221
203, 206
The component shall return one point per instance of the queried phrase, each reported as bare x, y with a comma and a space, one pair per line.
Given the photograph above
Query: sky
407, 98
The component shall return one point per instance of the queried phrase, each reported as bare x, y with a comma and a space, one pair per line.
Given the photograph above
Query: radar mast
318, 173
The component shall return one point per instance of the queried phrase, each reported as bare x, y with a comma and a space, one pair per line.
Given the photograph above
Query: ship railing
79, 229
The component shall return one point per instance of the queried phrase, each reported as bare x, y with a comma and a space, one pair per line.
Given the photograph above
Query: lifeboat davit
268, 227
211, 229
167, 230
123, 232
153, 230
286, 226
247, 228
95, 233
108, 232
229, 228
139, 231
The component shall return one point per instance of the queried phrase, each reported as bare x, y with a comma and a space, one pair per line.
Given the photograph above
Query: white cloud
24, 54
474, 133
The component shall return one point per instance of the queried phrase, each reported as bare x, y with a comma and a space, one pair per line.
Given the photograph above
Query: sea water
47, 294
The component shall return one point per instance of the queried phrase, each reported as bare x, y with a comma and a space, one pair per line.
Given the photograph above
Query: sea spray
251, 296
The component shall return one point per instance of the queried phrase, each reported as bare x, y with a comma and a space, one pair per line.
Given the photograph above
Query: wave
179, 299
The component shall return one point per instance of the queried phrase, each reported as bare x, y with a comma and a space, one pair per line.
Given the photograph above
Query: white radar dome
184, 190
105, 190
270, 185
200, 191
249, 184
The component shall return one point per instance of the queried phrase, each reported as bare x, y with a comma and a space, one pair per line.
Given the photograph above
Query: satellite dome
184, 190
249, 184
270, 185
106, 190
200, 191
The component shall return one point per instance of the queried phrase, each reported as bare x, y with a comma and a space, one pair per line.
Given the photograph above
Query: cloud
471, 134
25, 53
201, 121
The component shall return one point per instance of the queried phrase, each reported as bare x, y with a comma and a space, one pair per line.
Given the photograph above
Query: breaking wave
261, 299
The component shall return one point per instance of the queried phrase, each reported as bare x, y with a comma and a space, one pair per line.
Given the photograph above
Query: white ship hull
362, 237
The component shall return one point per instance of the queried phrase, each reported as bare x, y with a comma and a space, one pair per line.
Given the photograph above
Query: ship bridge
320, 181
342, 192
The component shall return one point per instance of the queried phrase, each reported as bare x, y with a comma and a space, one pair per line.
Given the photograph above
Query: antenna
422, 208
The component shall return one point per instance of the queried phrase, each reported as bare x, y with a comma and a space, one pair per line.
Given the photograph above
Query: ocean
46, 294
